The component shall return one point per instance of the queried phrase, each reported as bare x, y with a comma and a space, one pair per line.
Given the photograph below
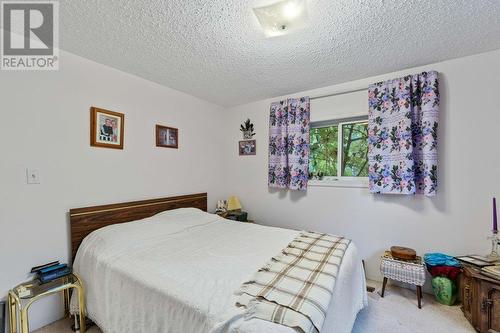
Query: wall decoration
247, 129
221, 207
247, 147
106, 128
167, 137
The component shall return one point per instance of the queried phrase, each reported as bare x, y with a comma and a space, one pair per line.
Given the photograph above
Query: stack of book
51, 271
491, 271
478, 260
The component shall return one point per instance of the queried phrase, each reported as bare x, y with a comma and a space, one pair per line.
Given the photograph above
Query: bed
165, 265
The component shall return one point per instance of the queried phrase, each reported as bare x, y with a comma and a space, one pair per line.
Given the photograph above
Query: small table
22, 296
227, 215
412, 272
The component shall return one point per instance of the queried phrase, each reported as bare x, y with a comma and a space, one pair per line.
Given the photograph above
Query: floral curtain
402, 134
289, 144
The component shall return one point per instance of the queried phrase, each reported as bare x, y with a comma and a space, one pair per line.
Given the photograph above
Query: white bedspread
178, 272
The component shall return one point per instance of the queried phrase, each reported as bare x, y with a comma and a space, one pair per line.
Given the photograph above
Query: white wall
45, 125
457, 221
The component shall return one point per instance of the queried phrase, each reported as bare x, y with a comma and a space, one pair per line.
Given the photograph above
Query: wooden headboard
85, 220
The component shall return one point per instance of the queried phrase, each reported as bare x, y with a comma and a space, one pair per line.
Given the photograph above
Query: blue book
37, 269
52, 268
47, 277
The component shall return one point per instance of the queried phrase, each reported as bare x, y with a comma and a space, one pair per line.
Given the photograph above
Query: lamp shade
233, 203
282, 17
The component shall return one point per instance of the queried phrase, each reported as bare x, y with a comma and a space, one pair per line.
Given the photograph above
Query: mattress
178, 271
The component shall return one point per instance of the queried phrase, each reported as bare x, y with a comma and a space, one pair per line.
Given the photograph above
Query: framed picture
167, 137
248, 147
106, 128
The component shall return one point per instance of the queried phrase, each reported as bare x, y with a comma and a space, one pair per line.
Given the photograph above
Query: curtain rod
339, 93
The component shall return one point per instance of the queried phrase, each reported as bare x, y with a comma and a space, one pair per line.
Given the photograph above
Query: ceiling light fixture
282, 17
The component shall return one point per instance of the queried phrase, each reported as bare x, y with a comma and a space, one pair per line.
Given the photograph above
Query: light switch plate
32, 176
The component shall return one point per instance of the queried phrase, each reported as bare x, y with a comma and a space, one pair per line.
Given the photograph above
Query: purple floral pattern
402, 135
289, 144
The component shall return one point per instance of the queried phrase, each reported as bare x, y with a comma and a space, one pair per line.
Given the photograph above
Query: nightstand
22, 296
480, 299
237, 216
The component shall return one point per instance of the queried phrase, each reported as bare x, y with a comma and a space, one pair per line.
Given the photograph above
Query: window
339, 151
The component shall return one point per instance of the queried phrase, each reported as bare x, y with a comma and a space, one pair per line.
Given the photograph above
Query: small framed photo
167, 137
247, 147
106, 128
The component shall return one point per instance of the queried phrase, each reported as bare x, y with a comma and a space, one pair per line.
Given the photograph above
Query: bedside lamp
234, 210
233, 203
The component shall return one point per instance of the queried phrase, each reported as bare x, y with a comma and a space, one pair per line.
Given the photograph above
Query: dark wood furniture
403, 253
226, 215
480, 300
85, 220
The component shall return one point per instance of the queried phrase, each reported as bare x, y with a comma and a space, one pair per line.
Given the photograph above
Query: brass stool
21, 297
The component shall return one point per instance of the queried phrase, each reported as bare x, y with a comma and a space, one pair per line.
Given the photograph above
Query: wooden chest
480, 300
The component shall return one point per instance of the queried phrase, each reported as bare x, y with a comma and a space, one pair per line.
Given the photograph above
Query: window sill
352, 183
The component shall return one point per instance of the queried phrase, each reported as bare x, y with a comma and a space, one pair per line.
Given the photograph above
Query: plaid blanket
295, 288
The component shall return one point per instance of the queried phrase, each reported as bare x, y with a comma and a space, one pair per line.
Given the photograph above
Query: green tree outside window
324, 150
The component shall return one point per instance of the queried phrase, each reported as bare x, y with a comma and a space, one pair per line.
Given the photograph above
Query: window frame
339, 180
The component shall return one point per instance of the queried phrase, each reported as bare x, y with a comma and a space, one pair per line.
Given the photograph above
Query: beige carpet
397, 312
64, 326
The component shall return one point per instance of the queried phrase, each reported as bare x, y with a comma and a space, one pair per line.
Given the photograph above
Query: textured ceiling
215, 49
